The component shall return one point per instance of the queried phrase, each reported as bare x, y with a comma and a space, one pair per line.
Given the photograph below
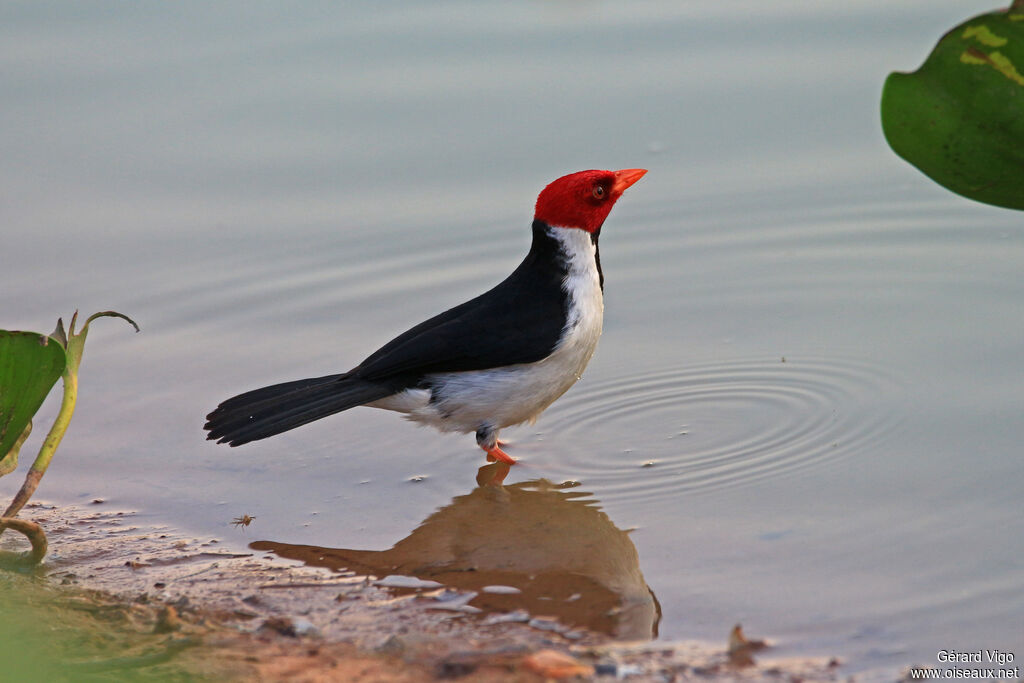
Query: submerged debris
740, 649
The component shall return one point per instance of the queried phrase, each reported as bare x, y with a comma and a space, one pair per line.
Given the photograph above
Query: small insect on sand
244, 520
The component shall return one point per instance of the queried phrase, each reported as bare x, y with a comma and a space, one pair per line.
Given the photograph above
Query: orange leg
494, 453
487, 439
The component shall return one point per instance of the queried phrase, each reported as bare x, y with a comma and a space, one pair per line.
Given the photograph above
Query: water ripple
724, 424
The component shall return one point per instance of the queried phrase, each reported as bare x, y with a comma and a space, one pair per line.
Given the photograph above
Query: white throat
582, 284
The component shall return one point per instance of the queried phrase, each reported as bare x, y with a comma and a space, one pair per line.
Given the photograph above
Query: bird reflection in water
549, 541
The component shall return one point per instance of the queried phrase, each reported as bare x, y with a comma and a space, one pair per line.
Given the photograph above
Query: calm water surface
806, 406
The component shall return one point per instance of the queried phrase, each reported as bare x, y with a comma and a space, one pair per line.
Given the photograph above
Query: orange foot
494, 453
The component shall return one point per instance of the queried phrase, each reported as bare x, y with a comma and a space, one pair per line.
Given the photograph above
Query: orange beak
625, 178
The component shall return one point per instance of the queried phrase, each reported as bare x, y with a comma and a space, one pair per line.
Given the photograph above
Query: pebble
304, 627
393, 645
547, 624
397, 581
280, 625
517, 616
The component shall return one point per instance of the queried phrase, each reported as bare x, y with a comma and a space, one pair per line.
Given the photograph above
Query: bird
495, 361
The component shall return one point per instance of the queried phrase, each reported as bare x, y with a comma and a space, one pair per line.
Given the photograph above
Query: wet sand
150, 601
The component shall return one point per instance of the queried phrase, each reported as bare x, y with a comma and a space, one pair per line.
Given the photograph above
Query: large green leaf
30, 364
960, 117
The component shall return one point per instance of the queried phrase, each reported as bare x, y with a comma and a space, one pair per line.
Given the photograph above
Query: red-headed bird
495, 361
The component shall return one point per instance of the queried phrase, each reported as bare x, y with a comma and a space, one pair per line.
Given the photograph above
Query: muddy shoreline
190, 608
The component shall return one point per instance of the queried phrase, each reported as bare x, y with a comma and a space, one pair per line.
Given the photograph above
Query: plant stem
36, 537
49, 447
73, 344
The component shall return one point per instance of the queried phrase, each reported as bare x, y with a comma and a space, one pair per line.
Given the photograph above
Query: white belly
511, 395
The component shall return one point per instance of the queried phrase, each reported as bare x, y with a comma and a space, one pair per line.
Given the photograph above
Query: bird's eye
598, 192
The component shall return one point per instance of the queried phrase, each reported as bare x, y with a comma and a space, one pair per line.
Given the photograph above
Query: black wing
518, 321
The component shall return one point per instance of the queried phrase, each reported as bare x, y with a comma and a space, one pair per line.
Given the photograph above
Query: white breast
501, 397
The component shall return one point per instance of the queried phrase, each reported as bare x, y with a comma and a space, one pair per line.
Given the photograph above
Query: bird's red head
583, 199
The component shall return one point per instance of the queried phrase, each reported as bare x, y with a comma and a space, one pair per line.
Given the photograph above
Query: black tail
271, 410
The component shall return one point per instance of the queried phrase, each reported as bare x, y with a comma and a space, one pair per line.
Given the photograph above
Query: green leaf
960, 117
30, 364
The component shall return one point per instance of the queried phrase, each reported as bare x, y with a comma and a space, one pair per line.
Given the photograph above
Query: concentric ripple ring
712, 426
